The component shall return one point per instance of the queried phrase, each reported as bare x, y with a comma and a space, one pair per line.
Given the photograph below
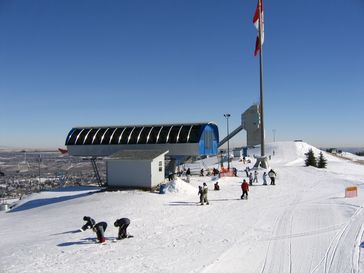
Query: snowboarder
123, 224
264, 178
255, 177
89, 223
272, 175
205, 191
251, 179
245, 189
217, 186
201, 172
200, 193
100, 229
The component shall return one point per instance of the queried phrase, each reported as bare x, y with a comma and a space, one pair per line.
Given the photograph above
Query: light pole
39, 159
274, 135
227, 129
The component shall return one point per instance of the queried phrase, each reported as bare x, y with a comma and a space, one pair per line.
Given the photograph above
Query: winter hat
85, 218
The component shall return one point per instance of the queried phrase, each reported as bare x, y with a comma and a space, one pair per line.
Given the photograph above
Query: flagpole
262, 151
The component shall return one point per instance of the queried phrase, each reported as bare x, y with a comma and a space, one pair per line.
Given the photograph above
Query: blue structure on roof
191, 139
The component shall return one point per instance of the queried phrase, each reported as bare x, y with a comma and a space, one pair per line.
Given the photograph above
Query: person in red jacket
245, 189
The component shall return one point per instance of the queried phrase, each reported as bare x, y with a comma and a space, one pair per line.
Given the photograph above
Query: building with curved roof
192, 139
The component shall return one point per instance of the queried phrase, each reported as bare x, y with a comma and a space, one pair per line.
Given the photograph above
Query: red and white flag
256, 21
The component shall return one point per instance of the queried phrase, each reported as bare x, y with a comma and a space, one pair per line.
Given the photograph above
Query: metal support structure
262, 161
262, 151
96, 171
228, 142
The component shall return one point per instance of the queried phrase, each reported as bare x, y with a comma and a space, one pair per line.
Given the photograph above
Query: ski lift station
135, 155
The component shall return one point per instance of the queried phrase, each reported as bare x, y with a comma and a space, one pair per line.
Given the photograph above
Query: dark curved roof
139, 134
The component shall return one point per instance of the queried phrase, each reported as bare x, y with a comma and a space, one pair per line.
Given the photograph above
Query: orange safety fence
351, 191
226, 172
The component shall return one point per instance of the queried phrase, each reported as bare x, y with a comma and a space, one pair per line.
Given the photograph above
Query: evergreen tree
310, 159
322, 162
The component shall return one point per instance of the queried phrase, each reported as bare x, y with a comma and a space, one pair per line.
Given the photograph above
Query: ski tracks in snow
279, 252
340, 257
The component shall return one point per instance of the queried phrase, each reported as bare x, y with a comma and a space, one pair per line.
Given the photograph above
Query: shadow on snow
86, 241
47, 201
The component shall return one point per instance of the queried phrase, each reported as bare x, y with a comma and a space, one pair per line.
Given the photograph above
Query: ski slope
303, 224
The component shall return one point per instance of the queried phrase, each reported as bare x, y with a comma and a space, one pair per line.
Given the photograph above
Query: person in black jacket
100, 229
123, 224
89, 223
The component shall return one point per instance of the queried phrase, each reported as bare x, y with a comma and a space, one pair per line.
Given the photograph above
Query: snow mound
180, 186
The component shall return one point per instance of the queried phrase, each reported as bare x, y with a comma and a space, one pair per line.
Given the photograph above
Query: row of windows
135, 135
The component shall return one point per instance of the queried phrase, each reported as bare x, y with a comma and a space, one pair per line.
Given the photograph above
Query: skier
217, 186
188, 174
123, 224
201, 172
247, 171
272, 175
264, 178
205, 190
89, 223
200, 193
100, 229
251, 179
245, 189
235, 172
215, 172
255, 177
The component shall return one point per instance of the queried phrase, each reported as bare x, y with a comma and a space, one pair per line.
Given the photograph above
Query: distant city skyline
97, 63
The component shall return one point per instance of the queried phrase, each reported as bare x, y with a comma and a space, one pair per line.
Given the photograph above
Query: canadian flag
256, 21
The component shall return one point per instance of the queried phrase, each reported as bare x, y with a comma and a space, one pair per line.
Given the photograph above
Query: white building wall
129, 173
157, 170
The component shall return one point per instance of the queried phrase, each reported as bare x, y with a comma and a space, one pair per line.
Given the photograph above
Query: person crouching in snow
205, 191
89, 223
217, 186
123, 224
100, 229
245, 189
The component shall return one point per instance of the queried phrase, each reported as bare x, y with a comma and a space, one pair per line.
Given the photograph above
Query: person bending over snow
100, 229
123, 224
89, 223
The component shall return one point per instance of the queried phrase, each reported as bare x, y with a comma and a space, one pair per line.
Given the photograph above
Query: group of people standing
254, 179
245, 186
100, 228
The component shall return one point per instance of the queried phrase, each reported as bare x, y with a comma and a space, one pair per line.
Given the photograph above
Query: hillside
303, 224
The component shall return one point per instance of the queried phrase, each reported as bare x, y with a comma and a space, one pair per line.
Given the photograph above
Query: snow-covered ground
303, 224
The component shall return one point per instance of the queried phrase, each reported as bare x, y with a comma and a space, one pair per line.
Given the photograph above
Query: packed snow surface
302, 224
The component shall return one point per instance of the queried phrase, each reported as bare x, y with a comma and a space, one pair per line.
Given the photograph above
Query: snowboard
128, 237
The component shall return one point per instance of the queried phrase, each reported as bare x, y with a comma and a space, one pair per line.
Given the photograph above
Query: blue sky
71, 63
